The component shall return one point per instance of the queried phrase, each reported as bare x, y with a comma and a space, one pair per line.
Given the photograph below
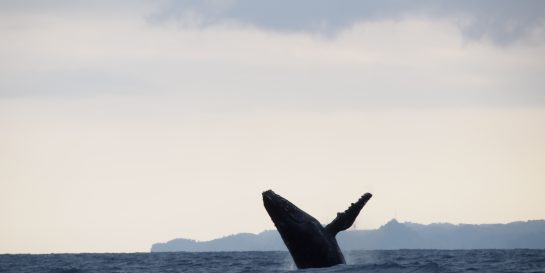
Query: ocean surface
519, 260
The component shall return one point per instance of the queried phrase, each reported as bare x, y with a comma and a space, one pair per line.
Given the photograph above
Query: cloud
78, 49
501, 21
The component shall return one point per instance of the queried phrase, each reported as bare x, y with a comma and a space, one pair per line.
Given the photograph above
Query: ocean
379, 261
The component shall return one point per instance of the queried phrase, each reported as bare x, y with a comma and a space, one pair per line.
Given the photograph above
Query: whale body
309, 243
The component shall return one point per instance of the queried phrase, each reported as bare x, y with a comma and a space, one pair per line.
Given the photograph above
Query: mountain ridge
392, 235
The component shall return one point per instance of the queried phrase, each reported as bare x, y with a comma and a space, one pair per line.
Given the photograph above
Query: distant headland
392, 235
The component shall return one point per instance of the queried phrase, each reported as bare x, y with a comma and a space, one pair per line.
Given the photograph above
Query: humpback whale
310, 244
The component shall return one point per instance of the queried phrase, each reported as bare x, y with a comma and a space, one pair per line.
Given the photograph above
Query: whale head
283, 213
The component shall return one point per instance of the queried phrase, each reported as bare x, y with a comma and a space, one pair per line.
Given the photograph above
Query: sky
126, 123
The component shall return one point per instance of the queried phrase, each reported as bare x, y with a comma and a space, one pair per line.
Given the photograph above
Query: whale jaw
283, 213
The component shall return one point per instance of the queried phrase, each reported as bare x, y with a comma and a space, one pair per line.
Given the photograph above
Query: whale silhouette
310, 244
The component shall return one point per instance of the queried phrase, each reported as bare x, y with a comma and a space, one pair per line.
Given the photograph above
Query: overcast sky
128, 123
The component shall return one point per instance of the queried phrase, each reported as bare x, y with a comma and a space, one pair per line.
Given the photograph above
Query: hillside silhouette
392, 235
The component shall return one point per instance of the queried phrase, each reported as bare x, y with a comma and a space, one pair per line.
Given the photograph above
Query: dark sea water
390, 261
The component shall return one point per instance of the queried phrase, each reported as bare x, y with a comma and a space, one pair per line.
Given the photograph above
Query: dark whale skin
310, 244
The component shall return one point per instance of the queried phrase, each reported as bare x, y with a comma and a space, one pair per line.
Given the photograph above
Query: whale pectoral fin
345, 219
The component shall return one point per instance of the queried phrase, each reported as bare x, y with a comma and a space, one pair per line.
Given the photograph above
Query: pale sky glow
126, 124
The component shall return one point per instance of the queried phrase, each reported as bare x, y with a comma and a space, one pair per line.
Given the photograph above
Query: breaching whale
310, 244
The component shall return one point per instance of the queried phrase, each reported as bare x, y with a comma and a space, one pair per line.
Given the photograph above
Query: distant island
392, 235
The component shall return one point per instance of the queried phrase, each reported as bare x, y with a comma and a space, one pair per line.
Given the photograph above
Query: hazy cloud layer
502, 21
384, 54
